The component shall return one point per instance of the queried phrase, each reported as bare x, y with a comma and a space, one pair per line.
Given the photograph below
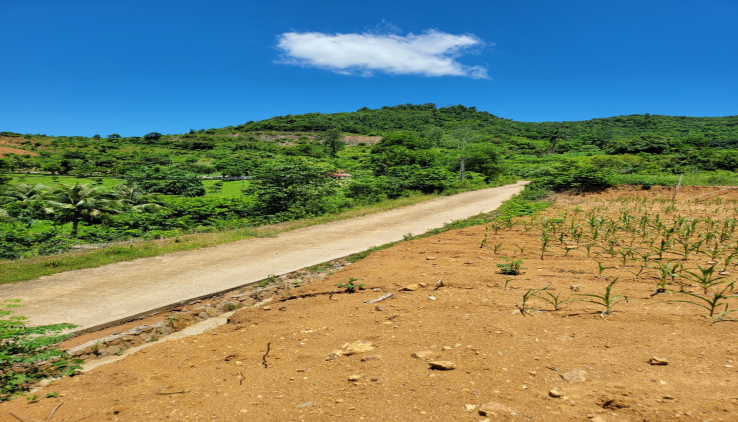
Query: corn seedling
601, 268
667, 272
607, 300
507, 281
705, 277
531, 293
554, 299
712, 303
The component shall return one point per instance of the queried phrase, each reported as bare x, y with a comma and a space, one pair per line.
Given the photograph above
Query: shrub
27, 355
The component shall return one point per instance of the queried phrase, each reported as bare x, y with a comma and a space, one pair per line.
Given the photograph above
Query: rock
442, 365
424, 354
306, 404
410, 288
574, 375
494, 408
358, 346
470, 407
371, 358
444, 348
555, 393
267, 308
468, 261
379, 308
430, 258
354, 378
658, 361
431, 298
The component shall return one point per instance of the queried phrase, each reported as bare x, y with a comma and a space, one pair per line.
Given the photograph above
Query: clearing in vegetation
458, 340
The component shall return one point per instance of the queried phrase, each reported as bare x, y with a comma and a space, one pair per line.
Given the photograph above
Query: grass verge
28, 269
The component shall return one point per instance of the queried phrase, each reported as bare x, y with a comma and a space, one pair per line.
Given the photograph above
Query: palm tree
78, 202
28, 201
134, 196
23, 192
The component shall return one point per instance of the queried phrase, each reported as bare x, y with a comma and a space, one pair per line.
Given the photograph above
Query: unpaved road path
99, 297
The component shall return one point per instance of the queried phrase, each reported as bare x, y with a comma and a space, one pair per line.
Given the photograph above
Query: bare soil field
458, 340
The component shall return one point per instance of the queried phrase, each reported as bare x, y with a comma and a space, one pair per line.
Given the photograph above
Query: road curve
98, 297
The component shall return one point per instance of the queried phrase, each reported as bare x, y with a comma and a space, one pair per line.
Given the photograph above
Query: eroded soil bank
650, 359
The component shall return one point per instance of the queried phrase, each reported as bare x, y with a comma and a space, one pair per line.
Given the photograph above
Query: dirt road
100, 296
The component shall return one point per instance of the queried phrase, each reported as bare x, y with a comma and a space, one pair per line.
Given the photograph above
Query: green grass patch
714, 178
32, 179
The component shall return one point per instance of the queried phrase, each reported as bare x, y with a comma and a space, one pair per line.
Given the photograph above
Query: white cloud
432, 53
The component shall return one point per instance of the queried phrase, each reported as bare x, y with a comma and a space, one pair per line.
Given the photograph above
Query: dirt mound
456, 341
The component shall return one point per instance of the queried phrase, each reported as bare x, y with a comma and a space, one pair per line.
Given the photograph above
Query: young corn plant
531, 293
716, 304
554, 300
601, 268
667, 272
607, 300
705, 277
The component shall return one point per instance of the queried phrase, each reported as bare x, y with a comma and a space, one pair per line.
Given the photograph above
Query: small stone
267, 308
444, 348
354, 378
494, 408
658, 361
555, 393
379, 308
410, 288
668, 397
468, 261
358, 346
424, 354
442, 365
431, 298
371, 358
306, 404
430, 258
574, 375
470, 407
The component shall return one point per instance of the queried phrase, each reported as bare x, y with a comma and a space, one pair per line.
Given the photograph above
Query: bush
27, 355
578, 178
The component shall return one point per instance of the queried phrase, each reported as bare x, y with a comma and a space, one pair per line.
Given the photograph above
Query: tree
554, 136
459, 139
152, 136
81, 202
293, 187
484, 158
333, 141
168, 181
25, 202
114, 136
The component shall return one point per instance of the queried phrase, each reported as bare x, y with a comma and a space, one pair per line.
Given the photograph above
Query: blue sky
136, 66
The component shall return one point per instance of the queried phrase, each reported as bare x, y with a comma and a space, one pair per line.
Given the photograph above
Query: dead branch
264, 358
379, 299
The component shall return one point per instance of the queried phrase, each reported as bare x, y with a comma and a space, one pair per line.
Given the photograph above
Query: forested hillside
59, 191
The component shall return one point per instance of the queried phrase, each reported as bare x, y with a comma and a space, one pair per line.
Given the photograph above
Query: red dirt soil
281, 363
